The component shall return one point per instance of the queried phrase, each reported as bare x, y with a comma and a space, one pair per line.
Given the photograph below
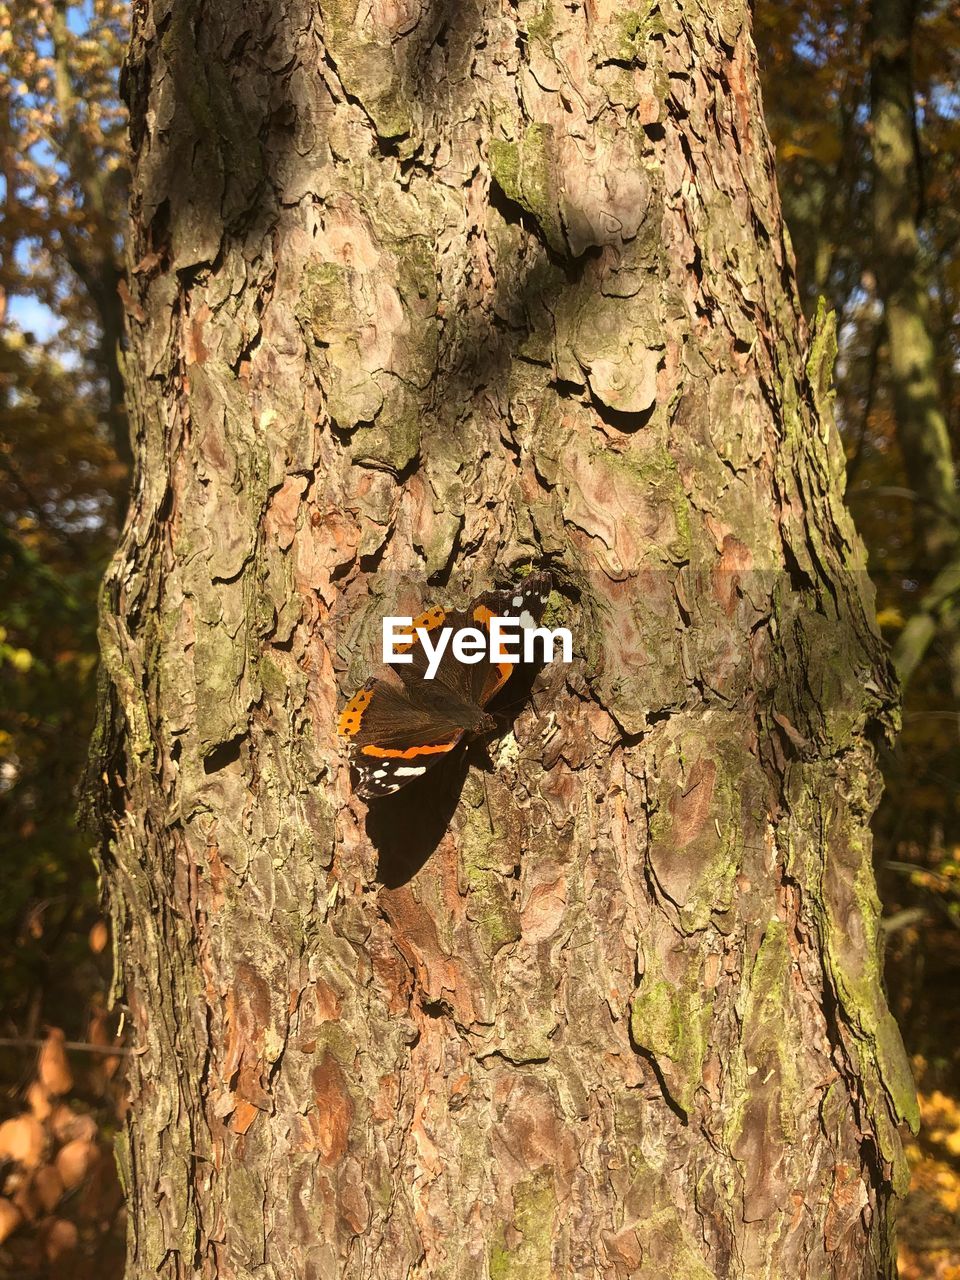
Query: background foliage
875, 231
837, 78
63, 474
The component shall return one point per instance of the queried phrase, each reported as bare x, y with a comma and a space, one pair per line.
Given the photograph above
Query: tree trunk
431, 292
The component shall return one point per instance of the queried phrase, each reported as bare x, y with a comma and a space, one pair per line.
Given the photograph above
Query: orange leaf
48, 1185
21, 1139
62, 1237
74, 1162
54, 1070
9, 1219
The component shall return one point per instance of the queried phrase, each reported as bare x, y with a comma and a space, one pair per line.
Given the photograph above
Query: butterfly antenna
527, 700
518, 702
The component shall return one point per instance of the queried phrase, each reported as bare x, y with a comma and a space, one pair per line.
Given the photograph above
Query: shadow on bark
243, 137
406, 827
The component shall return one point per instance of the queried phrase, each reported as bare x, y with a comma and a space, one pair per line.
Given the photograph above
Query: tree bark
431, 292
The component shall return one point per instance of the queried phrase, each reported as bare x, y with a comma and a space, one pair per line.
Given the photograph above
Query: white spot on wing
517, 601
526, 619
411, 771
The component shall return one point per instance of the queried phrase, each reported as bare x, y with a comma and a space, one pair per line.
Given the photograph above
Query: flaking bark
431, 292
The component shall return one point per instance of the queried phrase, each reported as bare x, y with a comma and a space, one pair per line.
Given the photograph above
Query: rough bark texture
432, 291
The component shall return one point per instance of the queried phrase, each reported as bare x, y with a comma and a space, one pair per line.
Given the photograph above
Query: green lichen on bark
542, 25
821, 358
653, 470
838, 873
327, 311
130, 693
835, 715
767, 1052
669, 1249
376, 393
488, 902
368, 67
628, 37
707, 803
393, 440
435, 540
526, 172
534, 1216
670, 1020
417, 286
324, 304
856, 971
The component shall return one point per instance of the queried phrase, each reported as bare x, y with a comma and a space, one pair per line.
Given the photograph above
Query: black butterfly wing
399, 727
394, 737
451, 683
526, 601
464, 689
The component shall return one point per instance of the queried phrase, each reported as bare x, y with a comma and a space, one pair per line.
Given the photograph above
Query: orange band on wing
411, 753
429, 621
483, 615
506, 670
349, 721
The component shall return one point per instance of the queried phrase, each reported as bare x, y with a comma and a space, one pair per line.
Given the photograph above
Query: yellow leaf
890, 617
22, 659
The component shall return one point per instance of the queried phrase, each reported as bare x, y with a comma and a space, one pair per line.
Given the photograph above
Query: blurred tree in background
869, 173
63, 477
863, 104
864, 107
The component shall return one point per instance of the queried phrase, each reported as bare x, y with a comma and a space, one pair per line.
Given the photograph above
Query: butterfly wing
399, 727
526, 601
466, 688
393, 736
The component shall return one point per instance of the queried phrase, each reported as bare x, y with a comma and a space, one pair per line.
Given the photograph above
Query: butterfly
400, 724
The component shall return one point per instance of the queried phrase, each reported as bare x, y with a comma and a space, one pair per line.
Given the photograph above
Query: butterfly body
401, 723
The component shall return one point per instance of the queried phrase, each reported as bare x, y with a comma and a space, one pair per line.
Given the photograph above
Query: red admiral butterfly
398, 726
